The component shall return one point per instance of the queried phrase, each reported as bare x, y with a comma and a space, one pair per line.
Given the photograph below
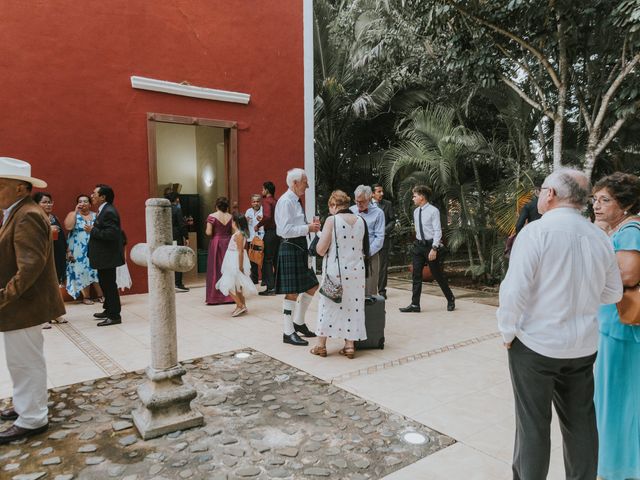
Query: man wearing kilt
294, 278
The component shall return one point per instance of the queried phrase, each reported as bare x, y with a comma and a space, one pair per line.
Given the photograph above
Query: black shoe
101, 315
267, 293
451, 305
15, 432
294, 339
304, 330
8, 414
181, 288
110, 321
383, 294
410, 308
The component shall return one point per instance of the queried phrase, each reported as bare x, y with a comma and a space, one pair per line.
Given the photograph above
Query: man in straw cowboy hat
29, 297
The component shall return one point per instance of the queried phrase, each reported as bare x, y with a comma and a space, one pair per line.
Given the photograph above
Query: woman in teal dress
617, 370
80, 275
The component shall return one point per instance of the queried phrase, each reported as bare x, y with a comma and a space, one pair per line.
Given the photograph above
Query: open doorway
197, 158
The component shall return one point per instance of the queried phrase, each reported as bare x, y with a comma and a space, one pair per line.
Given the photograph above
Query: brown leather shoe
8, 414
16, 433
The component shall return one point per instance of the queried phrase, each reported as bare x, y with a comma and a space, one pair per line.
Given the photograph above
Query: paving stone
339, 463
156, 469
88, 448
122, 425
288, 452
130, 477
283, 415
188, 473
229, 461
317, 472
279, 473
276, 461
116, 470
45, 451
9, 467
234, 451
176, 434
52, 461
128, 440
11, 454
64, 476
391, 461
85, 417
248, 472
268, 398
59, 435
30, 476
94, 460
212, 402
87, 435
362, 463
201, 447
228, 440
213, 431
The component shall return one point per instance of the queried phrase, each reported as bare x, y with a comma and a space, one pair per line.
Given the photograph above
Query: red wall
68, 107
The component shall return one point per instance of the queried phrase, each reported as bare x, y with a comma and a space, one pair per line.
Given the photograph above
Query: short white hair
571, 186
363, 190
295, 175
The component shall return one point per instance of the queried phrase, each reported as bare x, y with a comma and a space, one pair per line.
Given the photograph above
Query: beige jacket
29, 293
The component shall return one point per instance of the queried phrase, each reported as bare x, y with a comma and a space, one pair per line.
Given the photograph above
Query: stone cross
166, 400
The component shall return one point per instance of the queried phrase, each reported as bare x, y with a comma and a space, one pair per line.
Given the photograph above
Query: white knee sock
288, 307
304, 300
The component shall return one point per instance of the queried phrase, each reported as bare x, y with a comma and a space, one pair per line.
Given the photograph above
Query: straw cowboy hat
19, 170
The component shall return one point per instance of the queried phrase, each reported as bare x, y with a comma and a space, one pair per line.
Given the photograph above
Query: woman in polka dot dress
346, 319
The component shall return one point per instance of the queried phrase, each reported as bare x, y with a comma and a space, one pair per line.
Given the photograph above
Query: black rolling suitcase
374, 318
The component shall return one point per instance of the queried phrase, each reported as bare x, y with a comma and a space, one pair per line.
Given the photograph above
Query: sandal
348, 352
46, 326
319, 350
100, 299
87, 301
59, 320
239, 311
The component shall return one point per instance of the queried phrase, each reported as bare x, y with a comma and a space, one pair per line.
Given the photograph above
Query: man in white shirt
562, 268
294, 278
374, 218
254, 215
426, 248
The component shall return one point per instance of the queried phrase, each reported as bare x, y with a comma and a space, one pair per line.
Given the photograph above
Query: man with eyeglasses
562, 268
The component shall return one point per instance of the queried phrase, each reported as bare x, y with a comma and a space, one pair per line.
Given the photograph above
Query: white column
309, 159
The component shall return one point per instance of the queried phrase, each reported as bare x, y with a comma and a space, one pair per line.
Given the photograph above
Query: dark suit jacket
29, 293
106, 241
528, 214
179, 229
389, 218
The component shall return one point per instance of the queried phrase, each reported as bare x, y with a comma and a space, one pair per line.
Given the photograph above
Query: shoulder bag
629, 306
332, 288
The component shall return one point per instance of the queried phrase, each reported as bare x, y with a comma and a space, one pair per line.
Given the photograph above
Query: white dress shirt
562, 267
289, 217
8, 211
430, 223
252, 220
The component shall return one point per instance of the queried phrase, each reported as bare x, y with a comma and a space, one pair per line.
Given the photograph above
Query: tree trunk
558, 127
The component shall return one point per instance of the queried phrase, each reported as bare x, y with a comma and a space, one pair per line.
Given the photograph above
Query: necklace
621, 223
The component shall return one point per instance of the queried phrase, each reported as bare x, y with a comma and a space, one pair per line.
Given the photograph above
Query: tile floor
463, 392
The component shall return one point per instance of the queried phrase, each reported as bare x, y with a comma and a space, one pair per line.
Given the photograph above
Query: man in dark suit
106, 252
389, 222
529, 212
179, 231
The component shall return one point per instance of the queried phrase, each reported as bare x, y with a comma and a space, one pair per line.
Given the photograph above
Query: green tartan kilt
293, 274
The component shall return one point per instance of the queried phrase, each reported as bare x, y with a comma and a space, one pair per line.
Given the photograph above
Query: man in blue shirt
374, 218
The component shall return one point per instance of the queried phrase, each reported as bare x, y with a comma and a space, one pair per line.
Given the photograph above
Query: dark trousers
178, 275
420, 251
384, 265
539, 381
271, 246
107, 280
254, 272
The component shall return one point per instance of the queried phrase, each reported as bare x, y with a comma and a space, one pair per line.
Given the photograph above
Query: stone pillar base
166, 404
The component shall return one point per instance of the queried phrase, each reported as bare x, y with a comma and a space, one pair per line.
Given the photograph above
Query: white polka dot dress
344, 320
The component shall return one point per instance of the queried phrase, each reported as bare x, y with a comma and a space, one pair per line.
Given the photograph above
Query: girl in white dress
235, 280
346, 319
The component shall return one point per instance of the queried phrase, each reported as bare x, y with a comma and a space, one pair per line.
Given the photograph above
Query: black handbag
312, 247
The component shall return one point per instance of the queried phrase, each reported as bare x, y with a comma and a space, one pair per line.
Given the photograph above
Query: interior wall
211, 176
176, 154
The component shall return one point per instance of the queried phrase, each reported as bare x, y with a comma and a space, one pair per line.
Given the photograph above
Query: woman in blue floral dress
80, 275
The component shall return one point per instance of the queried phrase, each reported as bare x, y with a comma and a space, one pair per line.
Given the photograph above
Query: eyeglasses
46, 202
600, 200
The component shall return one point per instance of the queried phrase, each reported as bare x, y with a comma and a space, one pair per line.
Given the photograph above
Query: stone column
166, 400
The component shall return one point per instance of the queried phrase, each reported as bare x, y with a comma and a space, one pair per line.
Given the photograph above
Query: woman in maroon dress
219, 229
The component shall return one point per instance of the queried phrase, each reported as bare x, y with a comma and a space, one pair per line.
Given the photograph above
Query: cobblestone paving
264, 420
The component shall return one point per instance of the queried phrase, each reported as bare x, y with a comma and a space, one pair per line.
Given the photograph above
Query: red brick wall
69, 109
